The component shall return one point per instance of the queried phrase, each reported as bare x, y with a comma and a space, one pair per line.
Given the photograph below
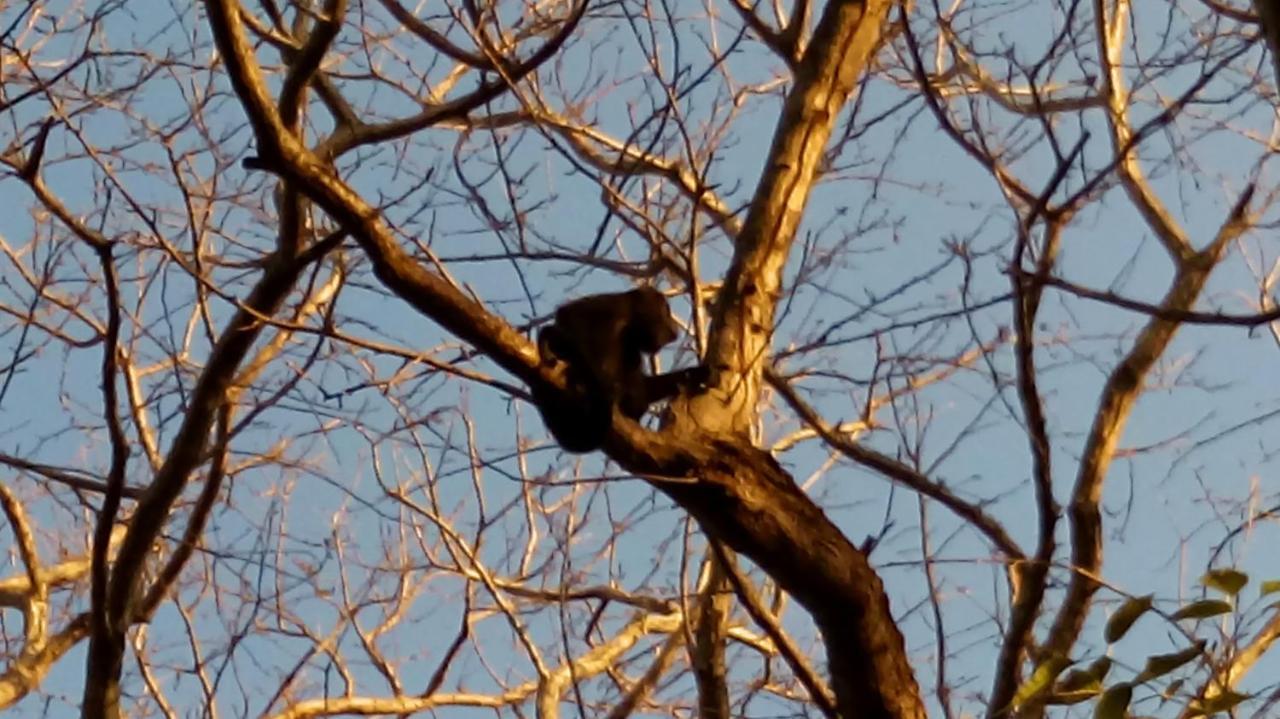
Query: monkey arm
635, 400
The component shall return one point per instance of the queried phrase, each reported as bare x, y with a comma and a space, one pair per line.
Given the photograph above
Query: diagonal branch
1187, 317
346, 138
1110, 37
796, 659
25, 674
901, 473
742, 496
437, 40
1119, 394
844, 41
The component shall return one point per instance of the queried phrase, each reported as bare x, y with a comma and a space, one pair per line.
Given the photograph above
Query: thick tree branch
707, 650
747, 501
742, 497
25, 674
1119, 394
35, 610
846, 36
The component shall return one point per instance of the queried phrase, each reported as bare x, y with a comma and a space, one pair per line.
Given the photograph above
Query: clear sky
874, 253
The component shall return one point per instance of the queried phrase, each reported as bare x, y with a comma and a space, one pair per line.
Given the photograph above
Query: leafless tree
271, 270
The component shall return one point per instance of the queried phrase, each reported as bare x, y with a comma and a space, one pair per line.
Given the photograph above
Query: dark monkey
602, 339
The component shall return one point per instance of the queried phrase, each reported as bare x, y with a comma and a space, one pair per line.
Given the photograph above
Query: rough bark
844, 41
746, 500
707, 652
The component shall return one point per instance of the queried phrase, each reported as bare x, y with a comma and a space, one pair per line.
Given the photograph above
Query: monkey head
651, 326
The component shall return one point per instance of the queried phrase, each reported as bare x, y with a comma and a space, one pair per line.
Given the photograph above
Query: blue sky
902, 194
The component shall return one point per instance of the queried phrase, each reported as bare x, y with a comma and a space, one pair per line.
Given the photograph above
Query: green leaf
1075, 696
1099, 667
1271, 586
1203, 609
1080, 678
1114, 702
1227, 581
1125, 616
1040, 679
1081, 684
1223, 702
1161, 664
